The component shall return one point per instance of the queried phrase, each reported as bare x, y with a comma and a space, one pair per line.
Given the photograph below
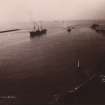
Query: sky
27, 10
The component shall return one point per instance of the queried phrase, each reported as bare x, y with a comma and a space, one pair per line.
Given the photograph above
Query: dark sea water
34, 70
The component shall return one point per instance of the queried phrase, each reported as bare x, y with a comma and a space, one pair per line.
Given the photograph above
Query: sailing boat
37, 32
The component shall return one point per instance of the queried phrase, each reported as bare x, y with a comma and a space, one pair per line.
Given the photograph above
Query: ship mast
34, 27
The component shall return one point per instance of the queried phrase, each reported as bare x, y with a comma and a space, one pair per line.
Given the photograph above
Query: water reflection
37, 36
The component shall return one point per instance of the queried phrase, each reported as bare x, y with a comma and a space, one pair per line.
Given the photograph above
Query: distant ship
37, 32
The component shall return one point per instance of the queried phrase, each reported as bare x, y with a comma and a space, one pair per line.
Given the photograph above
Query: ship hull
38, 33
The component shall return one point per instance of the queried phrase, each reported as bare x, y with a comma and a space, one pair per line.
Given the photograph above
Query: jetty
9, 30
98, 28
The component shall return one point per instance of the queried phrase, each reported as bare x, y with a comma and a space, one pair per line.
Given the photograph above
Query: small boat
37, 32
78, 64
69, 29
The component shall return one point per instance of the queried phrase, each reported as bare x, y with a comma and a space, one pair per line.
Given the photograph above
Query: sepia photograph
52, 52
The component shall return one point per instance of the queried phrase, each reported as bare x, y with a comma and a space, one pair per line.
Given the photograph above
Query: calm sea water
35, 69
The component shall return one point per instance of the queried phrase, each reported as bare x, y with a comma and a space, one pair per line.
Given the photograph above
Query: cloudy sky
25, 10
